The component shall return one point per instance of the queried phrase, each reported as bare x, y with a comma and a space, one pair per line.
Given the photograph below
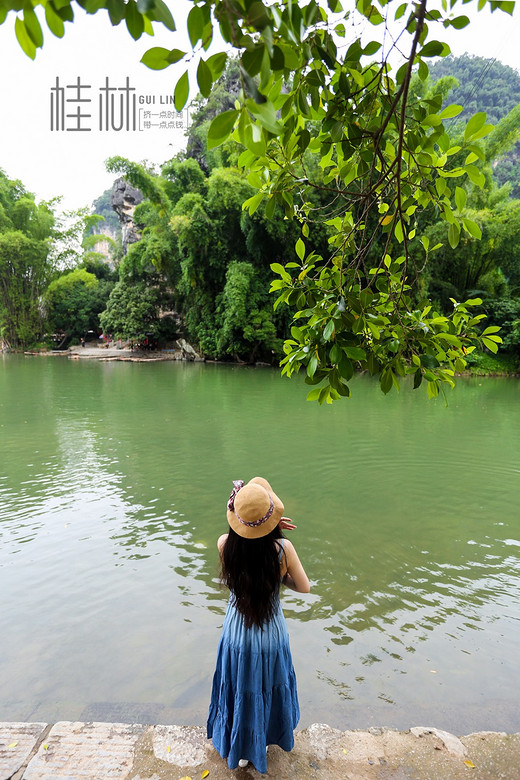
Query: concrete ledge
17, 743
100, 751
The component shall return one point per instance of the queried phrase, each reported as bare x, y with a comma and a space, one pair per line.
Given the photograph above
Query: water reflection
111, 506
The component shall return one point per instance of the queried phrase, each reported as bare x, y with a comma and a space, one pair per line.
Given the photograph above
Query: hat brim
257, 531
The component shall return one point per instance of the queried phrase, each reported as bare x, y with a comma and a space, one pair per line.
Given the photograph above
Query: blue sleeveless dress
254, 701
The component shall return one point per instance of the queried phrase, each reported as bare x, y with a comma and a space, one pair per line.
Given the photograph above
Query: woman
254, 701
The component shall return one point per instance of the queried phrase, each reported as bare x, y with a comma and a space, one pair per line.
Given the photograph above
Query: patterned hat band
237, 486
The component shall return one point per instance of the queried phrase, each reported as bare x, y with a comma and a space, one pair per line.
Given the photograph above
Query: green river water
114, 479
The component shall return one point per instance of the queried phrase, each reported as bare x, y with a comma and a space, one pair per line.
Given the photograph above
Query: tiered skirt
254, 701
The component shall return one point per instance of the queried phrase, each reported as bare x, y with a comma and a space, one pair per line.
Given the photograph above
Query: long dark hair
251, 571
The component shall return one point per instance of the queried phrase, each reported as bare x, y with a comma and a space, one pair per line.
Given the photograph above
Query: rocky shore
98, 751
113, 352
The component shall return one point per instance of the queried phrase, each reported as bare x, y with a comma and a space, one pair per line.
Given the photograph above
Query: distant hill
485, 85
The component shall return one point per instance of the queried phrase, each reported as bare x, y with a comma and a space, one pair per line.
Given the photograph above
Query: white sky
71, 164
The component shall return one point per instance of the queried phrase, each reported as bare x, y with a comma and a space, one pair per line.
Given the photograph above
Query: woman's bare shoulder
221, 541
288, 546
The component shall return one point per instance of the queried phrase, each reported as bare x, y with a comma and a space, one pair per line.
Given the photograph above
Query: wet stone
17, 740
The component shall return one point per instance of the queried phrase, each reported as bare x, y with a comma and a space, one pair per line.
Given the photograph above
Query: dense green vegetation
203, 266
26, 229
215, 257
203, 261
48, 286
381, 156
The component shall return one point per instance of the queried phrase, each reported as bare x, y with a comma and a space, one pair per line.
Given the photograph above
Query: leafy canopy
385, 156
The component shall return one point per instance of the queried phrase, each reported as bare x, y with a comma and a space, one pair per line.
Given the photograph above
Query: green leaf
386, 380
449, 338
490, 345
204, 78
508, 6
312, 366
429, 361
472, 228
423, 71
476, 176
161, 13
417, 379
454, 234
216, 63
266, 116
181, 92
314, 394
474, 124
134, 20
93, 6
252, 203
175, 55
329, 330
32, 26
356, 353
460, 198
252, 59
371, 48
433, 389
24, 39
300, 248
343, 390
221, 127
432, 120
459, 22
278, 268
324, 395
433, 49
116, 11
270, 208
257, 15
484, 130
156, 58
54, 22
195, 24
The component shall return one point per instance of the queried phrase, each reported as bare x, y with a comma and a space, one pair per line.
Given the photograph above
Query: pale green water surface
113, 484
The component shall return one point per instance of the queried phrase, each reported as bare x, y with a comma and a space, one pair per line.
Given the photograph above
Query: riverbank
113, 353
481, 365
95, 751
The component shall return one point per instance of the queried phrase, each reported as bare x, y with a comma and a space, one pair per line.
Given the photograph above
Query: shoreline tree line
205, 258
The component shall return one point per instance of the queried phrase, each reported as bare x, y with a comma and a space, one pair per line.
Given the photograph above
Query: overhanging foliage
384, 157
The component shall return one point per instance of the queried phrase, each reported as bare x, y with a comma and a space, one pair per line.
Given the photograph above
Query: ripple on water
407, 524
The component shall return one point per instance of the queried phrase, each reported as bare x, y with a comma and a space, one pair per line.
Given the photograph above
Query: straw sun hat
253, 510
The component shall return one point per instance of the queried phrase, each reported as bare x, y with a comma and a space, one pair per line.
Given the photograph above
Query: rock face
124, 199
187, 351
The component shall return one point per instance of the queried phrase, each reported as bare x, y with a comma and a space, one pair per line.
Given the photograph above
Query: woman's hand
286, 524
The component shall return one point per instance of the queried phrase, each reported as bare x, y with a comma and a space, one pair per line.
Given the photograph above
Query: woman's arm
295, 576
